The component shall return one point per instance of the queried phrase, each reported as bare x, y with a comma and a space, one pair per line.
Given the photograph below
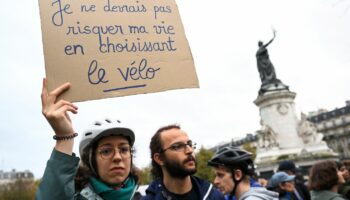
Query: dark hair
339, 164
84, 172
323, 176
287, 165
156, 147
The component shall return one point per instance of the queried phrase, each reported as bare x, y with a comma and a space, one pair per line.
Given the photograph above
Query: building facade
249, 138
12, 176
335, 127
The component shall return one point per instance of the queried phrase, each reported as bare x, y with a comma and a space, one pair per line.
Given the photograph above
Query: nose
216, 181
188, 149
117, 156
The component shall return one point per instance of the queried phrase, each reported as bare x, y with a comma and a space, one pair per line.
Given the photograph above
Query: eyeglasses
107, 153
180, 146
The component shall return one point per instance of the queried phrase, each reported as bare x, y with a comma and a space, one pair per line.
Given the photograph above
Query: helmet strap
91, 163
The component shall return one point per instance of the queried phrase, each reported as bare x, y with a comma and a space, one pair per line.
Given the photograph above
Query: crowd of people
105, 168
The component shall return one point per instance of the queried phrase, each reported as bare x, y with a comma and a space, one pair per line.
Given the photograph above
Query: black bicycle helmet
233, 158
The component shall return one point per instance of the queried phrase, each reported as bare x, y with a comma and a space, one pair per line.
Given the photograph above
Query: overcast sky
310, 54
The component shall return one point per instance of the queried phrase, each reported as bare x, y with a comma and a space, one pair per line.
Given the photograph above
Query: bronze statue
265, 66
269, 80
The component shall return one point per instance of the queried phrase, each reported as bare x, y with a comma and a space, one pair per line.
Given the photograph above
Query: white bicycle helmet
99, 130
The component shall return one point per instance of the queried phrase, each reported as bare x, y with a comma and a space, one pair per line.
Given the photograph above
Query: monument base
276, 85
285, 136
267, 160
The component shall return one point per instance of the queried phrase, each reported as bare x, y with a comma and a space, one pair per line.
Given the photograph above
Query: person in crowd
342, 169
254, 181
263, 182
324, 180
173, 167
344, 189
233, 169
301, 189
346, 163
283, 183
106, 170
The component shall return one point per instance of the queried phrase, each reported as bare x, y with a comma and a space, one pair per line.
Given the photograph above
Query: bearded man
173, 167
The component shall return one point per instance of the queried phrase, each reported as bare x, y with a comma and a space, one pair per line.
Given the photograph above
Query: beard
177, 169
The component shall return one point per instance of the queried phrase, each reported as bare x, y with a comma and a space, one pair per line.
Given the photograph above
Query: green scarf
107, 193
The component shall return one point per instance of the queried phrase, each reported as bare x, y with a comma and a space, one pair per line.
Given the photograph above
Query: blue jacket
207, 191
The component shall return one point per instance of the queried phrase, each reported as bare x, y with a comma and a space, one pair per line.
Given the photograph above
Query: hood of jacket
259, 193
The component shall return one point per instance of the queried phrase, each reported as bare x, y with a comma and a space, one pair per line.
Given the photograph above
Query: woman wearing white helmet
106, 170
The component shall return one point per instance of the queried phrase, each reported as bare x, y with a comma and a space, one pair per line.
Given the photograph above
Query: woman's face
113, 159
344, 172
341, 179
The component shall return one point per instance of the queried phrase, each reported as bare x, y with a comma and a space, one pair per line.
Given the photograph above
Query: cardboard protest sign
108, 48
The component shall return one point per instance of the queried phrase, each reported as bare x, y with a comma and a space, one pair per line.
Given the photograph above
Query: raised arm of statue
274, 35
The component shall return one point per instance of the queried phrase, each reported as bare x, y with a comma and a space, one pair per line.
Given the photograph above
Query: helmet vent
229, 154
88, 133
108, 120
98, 123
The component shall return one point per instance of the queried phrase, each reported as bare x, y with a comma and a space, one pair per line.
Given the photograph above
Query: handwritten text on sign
109, 48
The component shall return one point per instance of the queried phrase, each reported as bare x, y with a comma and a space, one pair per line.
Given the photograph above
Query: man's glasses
108, 152
180, 146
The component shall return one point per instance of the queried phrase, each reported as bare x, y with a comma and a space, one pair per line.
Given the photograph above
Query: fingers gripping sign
56, 111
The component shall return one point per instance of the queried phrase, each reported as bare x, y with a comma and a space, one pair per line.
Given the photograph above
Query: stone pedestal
283, 135
277, 110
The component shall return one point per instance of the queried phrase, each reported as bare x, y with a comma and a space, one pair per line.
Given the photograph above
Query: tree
145, 176
203, 170
251, 148
20, 189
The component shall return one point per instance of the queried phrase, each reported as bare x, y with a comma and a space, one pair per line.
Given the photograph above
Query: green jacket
58, 180
325, 195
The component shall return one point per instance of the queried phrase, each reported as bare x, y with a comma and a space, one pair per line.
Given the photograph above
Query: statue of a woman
265, 67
